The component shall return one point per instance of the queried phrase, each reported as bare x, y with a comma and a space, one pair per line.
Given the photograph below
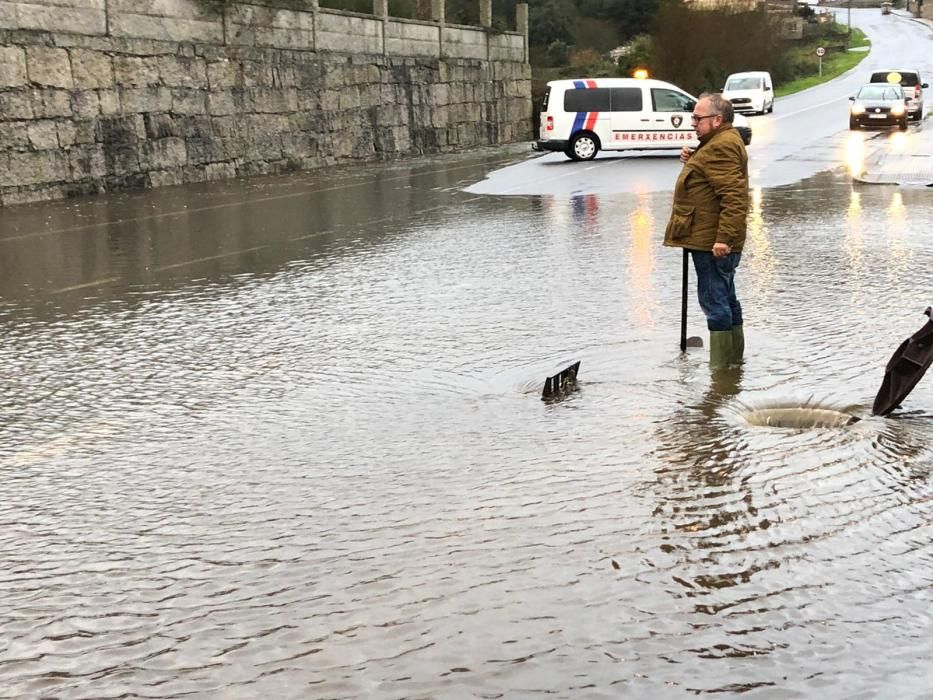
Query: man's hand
685, 153
720, 250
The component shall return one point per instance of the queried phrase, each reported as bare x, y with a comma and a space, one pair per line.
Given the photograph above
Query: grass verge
836, 62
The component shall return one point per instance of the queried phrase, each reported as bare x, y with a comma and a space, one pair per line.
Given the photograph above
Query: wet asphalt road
283, 437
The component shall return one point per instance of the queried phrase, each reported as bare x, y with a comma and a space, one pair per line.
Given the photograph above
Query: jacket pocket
681, 222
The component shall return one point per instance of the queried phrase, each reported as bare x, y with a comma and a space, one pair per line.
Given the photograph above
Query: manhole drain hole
800, 417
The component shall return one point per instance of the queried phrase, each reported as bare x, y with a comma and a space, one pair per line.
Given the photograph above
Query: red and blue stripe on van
584, 120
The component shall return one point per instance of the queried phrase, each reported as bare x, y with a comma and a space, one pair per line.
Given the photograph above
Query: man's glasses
698, 117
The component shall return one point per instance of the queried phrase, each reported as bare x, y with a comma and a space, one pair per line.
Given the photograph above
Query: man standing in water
708, 219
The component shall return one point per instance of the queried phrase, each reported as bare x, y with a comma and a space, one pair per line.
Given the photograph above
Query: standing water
284, 438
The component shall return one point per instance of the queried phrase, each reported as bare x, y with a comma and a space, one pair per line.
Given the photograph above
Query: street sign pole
820, 51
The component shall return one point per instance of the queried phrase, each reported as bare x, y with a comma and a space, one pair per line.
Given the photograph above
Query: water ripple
323, 469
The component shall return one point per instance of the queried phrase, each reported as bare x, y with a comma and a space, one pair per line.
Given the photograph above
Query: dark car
878, 104
912, 83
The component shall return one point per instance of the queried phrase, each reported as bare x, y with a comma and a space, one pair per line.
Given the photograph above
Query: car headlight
857, 108
897, 110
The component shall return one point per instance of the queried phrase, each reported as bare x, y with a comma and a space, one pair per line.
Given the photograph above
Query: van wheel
583, 147
852, 123
770, 108
903, 125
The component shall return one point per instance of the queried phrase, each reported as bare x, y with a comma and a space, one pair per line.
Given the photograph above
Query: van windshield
743, 84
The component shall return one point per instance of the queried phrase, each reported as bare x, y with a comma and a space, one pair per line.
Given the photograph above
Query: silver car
878, 104
911, 82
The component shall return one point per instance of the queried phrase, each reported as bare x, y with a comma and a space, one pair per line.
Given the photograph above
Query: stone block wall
193, 97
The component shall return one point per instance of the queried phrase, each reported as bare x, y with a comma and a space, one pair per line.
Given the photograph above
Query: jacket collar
718, 130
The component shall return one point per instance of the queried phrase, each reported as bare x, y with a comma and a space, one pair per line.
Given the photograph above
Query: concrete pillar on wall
314, 6
485, 13
381, 10
439, 15
521, 23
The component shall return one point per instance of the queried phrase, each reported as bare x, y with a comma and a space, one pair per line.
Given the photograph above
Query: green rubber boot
738, 345
720, 349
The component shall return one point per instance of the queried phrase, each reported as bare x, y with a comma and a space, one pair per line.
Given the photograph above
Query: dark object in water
693, 341
561, 383
905, 368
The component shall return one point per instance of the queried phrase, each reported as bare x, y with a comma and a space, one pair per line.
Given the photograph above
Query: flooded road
283, 438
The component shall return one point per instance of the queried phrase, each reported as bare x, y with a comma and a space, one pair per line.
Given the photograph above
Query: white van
750, 92
581, 117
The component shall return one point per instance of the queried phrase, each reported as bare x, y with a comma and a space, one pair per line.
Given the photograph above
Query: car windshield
743, 84
907, 79
879, 92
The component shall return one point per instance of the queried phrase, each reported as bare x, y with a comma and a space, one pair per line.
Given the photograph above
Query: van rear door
542, 115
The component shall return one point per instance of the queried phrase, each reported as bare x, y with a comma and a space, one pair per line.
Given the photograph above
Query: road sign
821, 51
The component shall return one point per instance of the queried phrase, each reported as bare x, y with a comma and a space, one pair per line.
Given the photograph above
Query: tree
550, 21
592, 33
632, 17
698, 49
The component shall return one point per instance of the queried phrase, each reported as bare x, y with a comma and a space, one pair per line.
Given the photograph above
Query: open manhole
796, 415
905, 368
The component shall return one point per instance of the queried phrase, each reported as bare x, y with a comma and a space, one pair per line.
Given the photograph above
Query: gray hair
720, 105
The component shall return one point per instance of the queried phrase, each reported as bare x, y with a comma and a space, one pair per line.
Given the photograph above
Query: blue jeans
716, 289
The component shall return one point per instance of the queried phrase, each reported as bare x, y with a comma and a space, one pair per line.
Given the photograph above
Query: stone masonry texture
83, 114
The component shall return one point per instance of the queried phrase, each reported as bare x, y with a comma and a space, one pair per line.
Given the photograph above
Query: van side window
587, 100
625, 99
665, 100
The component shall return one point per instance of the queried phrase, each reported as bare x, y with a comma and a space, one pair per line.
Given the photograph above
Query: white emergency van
750, 92
581, 117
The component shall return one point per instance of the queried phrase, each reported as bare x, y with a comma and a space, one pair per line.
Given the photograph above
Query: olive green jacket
711, 195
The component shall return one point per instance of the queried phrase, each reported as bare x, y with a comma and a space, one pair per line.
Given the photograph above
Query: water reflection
855, 154
585, 211
898, 141
642, 249
707, 515
855, 247
897, 230
759, 255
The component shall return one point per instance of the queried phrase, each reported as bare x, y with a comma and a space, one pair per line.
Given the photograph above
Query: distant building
740, 5
792, 27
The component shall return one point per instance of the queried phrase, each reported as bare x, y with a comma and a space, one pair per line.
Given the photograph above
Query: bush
584, 58
638, 55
